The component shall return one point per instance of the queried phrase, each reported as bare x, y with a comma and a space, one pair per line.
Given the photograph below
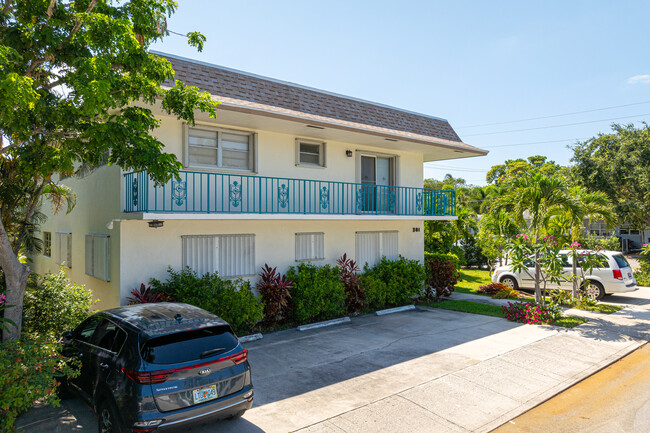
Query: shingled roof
235, 88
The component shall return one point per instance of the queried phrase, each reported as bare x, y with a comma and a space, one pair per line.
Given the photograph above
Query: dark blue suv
152, 367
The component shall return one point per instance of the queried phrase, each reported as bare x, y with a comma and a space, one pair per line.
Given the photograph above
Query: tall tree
536, 164
530, 198
617, 164
77, 80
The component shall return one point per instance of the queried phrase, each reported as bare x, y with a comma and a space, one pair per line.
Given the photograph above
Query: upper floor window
310, 153
218, 148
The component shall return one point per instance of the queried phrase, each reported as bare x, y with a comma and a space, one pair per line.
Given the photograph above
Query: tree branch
77, 26
7, 7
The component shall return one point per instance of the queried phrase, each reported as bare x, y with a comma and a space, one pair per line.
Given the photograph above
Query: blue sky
471, 62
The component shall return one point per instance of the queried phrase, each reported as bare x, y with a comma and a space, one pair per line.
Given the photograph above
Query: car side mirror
67, 335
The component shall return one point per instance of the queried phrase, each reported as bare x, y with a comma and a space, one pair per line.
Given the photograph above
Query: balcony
219, 193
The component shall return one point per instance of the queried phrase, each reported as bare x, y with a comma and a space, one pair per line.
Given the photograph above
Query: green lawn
604, 308
468, 307
569, 321
471, 279
496, 311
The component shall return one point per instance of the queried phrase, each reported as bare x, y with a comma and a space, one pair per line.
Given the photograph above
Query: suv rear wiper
212, 352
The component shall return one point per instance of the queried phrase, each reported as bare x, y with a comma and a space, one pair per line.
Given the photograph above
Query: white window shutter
310, 246
372, 246
229, 255
89, 255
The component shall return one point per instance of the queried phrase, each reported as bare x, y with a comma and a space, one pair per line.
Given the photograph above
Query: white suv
615, 277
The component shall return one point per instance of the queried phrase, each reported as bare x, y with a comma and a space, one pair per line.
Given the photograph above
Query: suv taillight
160, 376
148, 377
617, 274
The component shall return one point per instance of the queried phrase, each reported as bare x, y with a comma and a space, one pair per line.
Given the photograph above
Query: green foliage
473, 254
377, 295
78, 84
232, 300
449, 257
616, 164
54, 304
317, 293
611, 243
501, 173
403, 280
29, 369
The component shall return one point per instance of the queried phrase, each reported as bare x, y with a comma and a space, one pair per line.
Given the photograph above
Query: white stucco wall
98, 202
146, 253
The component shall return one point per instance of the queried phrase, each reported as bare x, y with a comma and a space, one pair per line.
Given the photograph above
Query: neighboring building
285, 174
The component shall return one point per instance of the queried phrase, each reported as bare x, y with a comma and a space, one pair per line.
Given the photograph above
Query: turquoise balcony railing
199, 192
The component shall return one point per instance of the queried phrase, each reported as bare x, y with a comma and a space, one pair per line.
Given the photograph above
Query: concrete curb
394, 310
249, 338
323, 324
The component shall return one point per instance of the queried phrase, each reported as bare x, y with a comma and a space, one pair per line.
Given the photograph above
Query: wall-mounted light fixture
156, 224
348, 153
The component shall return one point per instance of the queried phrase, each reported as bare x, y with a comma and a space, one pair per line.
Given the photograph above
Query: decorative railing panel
200, 192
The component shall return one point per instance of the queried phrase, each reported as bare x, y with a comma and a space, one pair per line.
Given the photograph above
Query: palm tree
531, 198
570, 222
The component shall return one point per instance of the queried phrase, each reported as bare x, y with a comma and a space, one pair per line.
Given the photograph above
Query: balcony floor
284, 216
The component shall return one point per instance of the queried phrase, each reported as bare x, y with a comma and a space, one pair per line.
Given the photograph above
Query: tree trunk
575, 278
538, 292
16, 276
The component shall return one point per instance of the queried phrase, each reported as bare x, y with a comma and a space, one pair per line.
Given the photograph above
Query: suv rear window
621, 261
188, 346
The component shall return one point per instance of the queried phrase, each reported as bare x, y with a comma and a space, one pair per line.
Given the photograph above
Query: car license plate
205, 394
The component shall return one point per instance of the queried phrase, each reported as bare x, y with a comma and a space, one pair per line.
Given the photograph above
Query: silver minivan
615, 276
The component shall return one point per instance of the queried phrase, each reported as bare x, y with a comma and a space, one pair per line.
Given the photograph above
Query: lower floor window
372, 246
64, 249
98, 256
310, 246
228, 255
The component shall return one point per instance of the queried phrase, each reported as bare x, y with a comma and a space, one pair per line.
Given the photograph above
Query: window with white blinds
98, 248
310, 246
229, 255
215, 148
64, 249
372, 246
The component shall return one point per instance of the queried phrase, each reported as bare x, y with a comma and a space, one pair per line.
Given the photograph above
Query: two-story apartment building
285, 174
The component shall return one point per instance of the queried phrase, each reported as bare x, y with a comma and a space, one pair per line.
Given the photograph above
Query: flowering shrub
524, 312
274, 289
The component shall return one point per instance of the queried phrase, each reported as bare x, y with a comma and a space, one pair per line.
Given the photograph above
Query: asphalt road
616, 399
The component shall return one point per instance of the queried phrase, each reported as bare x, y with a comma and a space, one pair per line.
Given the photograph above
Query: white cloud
639, 79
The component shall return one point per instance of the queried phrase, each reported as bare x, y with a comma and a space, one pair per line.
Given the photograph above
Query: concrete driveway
424, 370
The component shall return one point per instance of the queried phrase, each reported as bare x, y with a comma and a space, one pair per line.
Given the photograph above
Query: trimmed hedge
317, 293
392, 282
